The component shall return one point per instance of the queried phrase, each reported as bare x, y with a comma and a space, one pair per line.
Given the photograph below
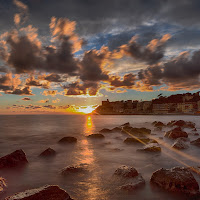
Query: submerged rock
116, 129
48, 153
177, 179
152, 147
96, 136
15, 159
105, 130
130, 178
135, 183
48, 192
74, 169
176, 133
180, 144
196, 142
126, 124
137, 131
182, 123
158, 124
126, 172
3, 185
68, 139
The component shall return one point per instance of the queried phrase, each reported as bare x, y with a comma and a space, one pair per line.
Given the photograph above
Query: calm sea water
35, 133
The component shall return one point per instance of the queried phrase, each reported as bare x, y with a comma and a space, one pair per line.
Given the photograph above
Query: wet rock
182, 123
126, 124
126, 172
135, 183
196, 142
3, 185
105, 130
176, 133
177, 179
116, 129
48, 192
180, 144
152, 147
194, 129
48, 153
139, 140
74, 169
15, 159
96, 136
67, 140
159, 124
196, 134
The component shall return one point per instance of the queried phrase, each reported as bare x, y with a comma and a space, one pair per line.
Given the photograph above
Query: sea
35, 133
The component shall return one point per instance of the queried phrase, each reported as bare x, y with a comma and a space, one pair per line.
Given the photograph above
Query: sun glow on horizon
86, 109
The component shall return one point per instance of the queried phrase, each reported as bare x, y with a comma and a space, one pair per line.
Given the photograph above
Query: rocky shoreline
178, 179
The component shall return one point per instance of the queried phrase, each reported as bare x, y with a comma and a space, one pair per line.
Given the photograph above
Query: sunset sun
86, 109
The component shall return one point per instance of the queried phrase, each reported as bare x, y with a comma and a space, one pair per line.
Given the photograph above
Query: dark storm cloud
78, 88
182, 72
33, 82
22, 91
53, 78
92, 64
127, 82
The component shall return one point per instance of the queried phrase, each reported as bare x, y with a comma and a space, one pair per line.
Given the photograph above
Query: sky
67, 56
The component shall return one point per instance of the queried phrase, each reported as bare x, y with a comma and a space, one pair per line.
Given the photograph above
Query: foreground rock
177, 179
182, 123
15, 159
74, 169
2, 185
48, 153
133, 179
139, 140
105, 130
153, 147
116, 129
176, 133
196, 142
68, 139
180, 143
96, 136
49, 192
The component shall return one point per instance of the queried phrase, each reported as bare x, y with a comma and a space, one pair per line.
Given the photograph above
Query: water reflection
92, 183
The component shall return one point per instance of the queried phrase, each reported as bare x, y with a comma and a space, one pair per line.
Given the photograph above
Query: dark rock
48, 153
105, 130
194, 129
182, 123
15, 159
159, 124
49, 192
135, 183
126, 172
126, 124
68, 139
152, 147
196, 142
176, 133
137, 131
177, 179
3, 185
116, 129
180, 144
96, 136
196, 134
74, 169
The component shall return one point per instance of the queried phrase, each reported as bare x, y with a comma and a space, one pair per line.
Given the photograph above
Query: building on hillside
161, 108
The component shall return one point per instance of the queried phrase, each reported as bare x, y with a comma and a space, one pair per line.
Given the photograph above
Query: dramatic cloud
33, 82
92, 65
128, 81
22, 91
50, 92
52, 78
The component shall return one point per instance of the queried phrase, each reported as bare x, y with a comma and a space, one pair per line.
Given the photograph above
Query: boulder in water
196, 142
96, 136
48, 153
126, 172
177, 179
105, 130
48, 192
15, 159
116, 129
74, 169
182, 123
68, 139
180, 143
176, 133
152, 147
